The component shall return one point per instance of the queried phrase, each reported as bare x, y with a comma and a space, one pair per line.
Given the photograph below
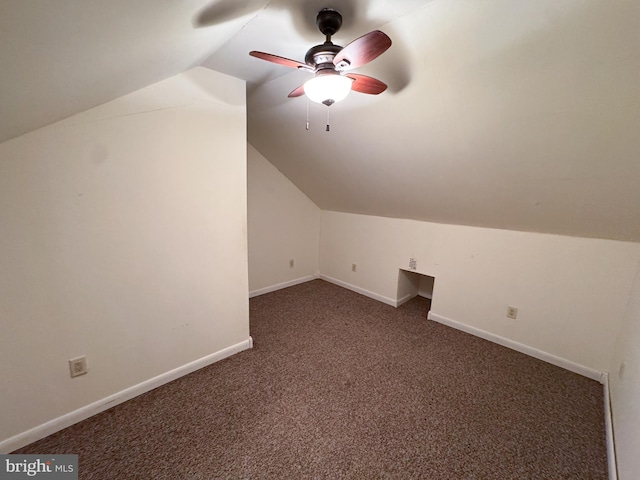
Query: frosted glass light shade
327, 89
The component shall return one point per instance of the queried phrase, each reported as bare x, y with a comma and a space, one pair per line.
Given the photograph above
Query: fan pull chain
328, 129
307, 113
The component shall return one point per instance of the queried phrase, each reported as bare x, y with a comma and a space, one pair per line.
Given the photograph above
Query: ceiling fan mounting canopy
329, 61
329, 21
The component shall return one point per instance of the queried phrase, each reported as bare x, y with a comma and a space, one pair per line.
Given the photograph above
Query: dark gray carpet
341, 386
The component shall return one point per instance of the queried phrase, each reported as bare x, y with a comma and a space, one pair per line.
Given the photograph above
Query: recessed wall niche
412, 284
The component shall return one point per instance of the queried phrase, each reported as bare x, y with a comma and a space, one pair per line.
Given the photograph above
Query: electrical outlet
292, 263
413, 264
512, 312
354, 267
78, 366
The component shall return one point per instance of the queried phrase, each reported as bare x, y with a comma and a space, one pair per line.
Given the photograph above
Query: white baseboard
290, 283
520, 347
608, 424
64, 421
361, 291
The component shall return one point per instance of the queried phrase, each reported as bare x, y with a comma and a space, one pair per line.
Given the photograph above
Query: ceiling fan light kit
330, 63
328, 88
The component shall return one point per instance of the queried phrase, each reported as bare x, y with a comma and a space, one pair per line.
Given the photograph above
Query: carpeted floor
341, 386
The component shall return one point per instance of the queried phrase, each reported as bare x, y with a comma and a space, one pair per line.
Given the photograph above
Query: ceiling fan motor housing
321, 56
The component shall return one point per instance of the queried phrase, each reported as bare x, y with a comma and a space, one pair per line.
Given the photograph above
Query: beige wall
624, 381
283, 225
570, 292
123, 238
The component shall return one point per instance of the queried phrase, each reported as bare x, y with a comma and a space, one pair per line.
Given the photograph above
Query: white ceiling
516, 114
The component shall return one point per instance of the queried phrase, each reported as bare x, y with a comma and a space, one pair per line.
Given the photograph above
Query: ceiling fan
331, 63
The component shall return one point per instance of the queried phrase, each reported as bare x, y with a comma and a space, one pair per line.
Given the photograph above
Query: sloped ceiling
520, 114
62, 57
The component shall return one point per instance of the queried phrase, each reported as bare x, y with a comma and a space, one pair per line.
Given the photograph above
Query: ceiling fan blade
365, 84
287, 62
362, 50
298, 92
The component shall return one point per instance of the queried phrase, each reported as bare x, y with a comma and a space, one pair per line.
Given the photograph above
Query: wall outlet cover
78, 366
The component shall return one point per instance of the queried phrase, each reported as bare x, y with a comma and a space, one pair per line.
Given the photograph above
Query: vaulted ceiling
516, 114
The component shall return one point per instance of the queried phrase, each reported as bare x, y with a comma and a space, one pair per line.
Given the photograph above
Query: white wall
570, 292
624, 381
123, 238
426, 286
283, 225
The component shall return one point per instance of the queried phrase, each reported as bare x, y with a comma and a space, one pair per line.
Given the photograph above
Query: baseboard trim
279, 286
361, 291
520, 347
608, 424
64, 421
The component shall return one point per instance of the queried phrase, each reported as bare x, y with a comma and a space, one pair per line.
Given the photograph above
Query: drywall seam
64, 421
520, 347
290, 283
362, 291
608, 425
